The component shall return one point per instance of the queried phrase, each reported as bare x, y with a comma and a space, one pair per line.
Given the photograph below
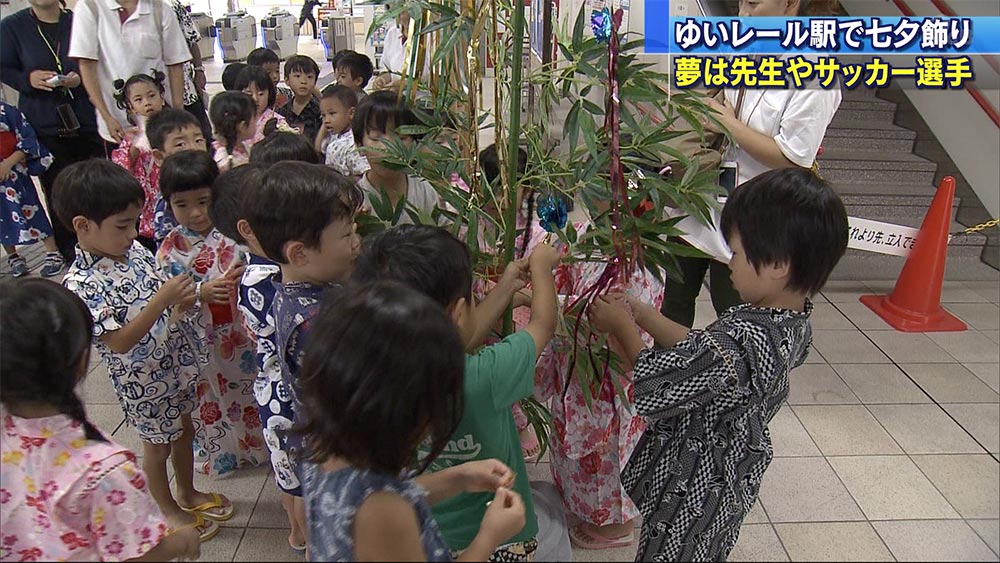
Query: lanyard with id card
69, 124
729, 169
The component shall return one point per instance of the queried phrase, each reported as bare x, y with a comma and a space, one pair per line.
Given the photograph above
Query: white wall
960, 125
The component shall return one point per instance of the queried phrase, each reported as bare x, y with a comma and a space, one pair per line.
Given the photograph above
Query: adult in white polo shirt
116, 39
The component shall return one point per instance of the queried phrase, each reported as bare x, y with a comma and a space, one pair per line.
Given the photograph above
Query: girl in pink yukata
255, 82
66, 491
589, 445
227, 428
142, 96
233, 116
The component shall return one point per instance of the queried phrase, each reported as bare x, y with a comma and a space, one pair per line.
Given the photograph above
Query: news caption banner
785, 53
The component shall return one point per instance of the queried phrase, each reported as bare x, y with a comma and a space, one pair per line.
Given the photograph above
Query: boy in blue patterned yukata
254, 298
302, 217
141, 332
707, 400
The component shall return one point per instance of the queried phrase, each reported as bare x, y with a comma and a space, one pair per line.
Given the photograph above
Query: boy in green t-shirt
433, 261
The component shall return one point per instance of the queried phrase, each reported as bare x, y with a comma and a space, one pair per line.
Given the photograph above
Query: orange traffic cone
915, 303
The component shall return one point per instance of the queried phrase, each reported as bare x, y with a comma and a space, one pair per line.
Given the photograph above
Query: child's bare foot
588, 536
211, 506
180, 520
529, 443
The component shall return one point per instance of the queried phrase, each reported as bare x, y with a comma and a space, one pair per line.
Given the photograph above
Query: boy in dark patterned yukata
708, 398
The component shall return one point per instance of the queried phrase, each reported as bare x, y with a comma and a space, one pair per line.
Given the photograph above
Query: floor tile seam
924, 391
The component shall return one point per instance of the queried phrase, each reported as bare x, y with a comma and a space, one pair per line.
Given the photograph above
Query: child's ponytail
47, 333
227, 111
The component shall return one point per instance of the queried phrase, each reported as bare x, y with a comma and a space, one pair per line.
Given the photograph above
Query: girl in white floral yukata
226, 423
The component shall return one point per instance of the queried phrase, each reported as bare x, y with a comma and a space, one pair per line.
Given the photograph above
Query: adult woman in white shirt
774, 129
393, 51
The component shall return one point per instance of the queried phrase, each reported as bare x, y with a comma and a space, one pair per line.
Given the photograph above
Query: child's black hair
383, 370
228, 110
296, 202
427, 258
380, 111
338, 56
789, 216
342, 93
283, 145
229, 194
186, 171
229, 75
262, 56
95, 189
489, 161
156, 79
167, 121
359, 65
47, 332
301, 63
257, 76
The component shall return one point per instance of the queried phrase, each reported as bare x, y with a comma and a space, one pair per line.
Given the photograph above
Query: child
269, 61
434, 262
372, 392
302, 216
282, 145
233, 116
229, 75
256, 294
22, 218
336, 139
354, 70
709, 398
142, 337
226, 425
302, 111
255, 82
170, 131
377, 117
68, 493
142, 97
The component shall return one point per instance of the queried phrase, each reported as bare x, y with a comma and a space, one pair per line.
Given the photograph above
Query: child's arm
664, 331
320, 137
493, 306
544, 307
176, 291
472, 477
8, 164
609, 314
386, 515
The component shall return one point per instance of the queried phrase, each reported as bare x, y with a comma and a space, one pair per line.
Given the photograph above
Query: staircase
870, 163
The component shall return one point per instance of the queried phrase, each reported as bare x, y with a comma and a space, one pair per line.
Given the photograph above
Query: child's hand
515, 276
522, 298
177, 290
544, 257
217, 291
610, 313
504, 517
235, 272
485, 476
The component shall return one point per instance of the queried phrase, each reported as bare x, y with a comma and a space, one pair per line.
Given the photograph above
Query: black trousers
311, 19
66, 151
679, 296
198, 110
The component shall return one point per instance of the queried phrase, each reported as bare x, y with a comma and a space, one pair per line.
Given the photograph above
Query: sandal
298, 548
530, 447
207, 509
587, 540
207, 529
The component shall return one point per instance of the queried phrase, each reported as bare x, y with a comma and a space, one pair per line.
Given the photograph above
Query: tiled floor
887, 449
